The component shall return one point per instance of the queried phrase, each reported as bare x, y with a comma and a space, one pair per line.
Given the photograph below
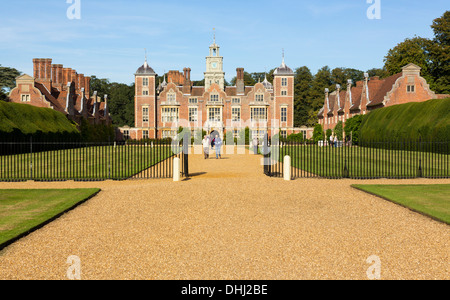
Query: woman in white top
206, 143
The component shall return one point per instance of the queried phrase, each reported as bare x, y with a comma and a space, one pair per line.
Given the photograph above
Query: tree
101, 86
440, 54
352, 128
249, 80
441, 28
415, 50
341, 75
302, 99
120, 99
329, 133
318, 134
321, 80
382, 73
433, 56
7, 81
121, 104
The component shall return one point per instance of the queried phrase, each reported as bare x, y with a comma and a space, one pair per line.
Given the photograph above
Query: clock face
214, 65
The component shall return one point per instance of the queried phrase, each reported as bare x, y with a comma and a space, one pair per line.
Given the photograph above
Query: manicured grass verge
87, 163
24, 211
364, 162
430, 200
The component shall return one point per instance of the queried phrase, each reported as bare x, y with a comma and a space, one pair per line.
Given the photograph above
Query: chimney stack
54, 75
327, 99
80, 82
187, 81
65, 77
87, 86
36, 68
240, 86
48, 68
366, 77
74, 77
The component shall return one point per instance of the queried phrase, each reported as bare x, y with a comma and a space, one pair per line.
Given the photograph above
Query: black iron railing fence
378, 159
79, 161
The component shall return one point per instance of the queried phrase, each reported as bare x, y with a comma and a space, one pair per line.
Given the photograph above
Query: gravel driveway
229, 221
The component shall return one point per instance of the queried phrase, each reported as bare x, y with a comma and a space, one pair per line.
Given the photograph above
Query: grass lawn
431, 200
21, 211
88, 163
365, 162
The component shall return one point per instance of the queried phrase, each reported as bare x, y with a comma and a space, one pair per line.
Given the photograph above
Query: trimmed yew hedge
425, 121
22, 121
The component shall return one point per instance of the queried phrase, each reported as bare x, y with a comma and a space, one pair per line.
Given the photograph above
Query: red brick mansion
62, 89
373, 93
161, 110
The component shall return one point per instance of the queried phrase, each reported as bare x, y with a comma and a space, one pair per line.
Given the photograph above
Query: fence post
186, 144
287, 168
176, 169
419, 173
31, 157
346, 173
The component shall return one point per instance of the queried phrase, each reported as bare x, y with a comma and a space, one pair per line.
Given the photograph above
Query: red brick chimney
36, 68
81, 83
41, 69
57, 76
54, 75
45, 73
74, 79
240, 86
48, 68
187, 81
87, 87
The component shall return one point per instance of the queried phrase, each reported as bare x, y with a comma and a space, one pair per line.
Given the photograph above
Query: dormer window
214, 98
411, 88
259, 98
171, 97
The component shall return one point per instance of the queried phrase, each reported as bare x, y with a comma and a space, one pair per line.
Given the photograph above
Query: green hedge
20, 121
425, 121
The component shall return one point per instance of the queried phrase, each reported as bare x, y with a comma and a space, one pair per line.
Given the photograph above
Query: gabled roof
356, 97
378, 89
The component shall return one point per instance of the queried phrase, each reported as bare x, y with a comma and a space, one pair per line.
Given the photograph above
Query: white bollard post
287, 168
176, 169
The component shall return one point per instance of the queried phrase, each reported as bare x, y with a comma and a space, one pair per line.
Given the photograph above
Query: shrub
352, 128
22, 121
339, 131
318, 134
295, 137
424, 121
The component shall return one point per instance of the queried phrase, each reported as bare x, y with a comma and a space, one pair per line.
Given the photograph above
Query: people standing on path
218, 146
255, 145
336, 141
205, 144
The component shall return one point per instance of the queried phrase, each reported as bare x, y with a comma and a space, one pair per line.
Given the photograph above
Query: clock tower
214, 67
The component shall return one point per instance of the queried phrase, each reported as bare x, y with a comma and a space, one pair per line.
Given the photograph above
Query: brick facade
61, 89
373, 93
161, 110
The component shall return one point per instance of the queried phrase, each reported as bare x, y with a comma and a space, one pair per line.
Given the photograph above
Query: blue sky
109, 39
